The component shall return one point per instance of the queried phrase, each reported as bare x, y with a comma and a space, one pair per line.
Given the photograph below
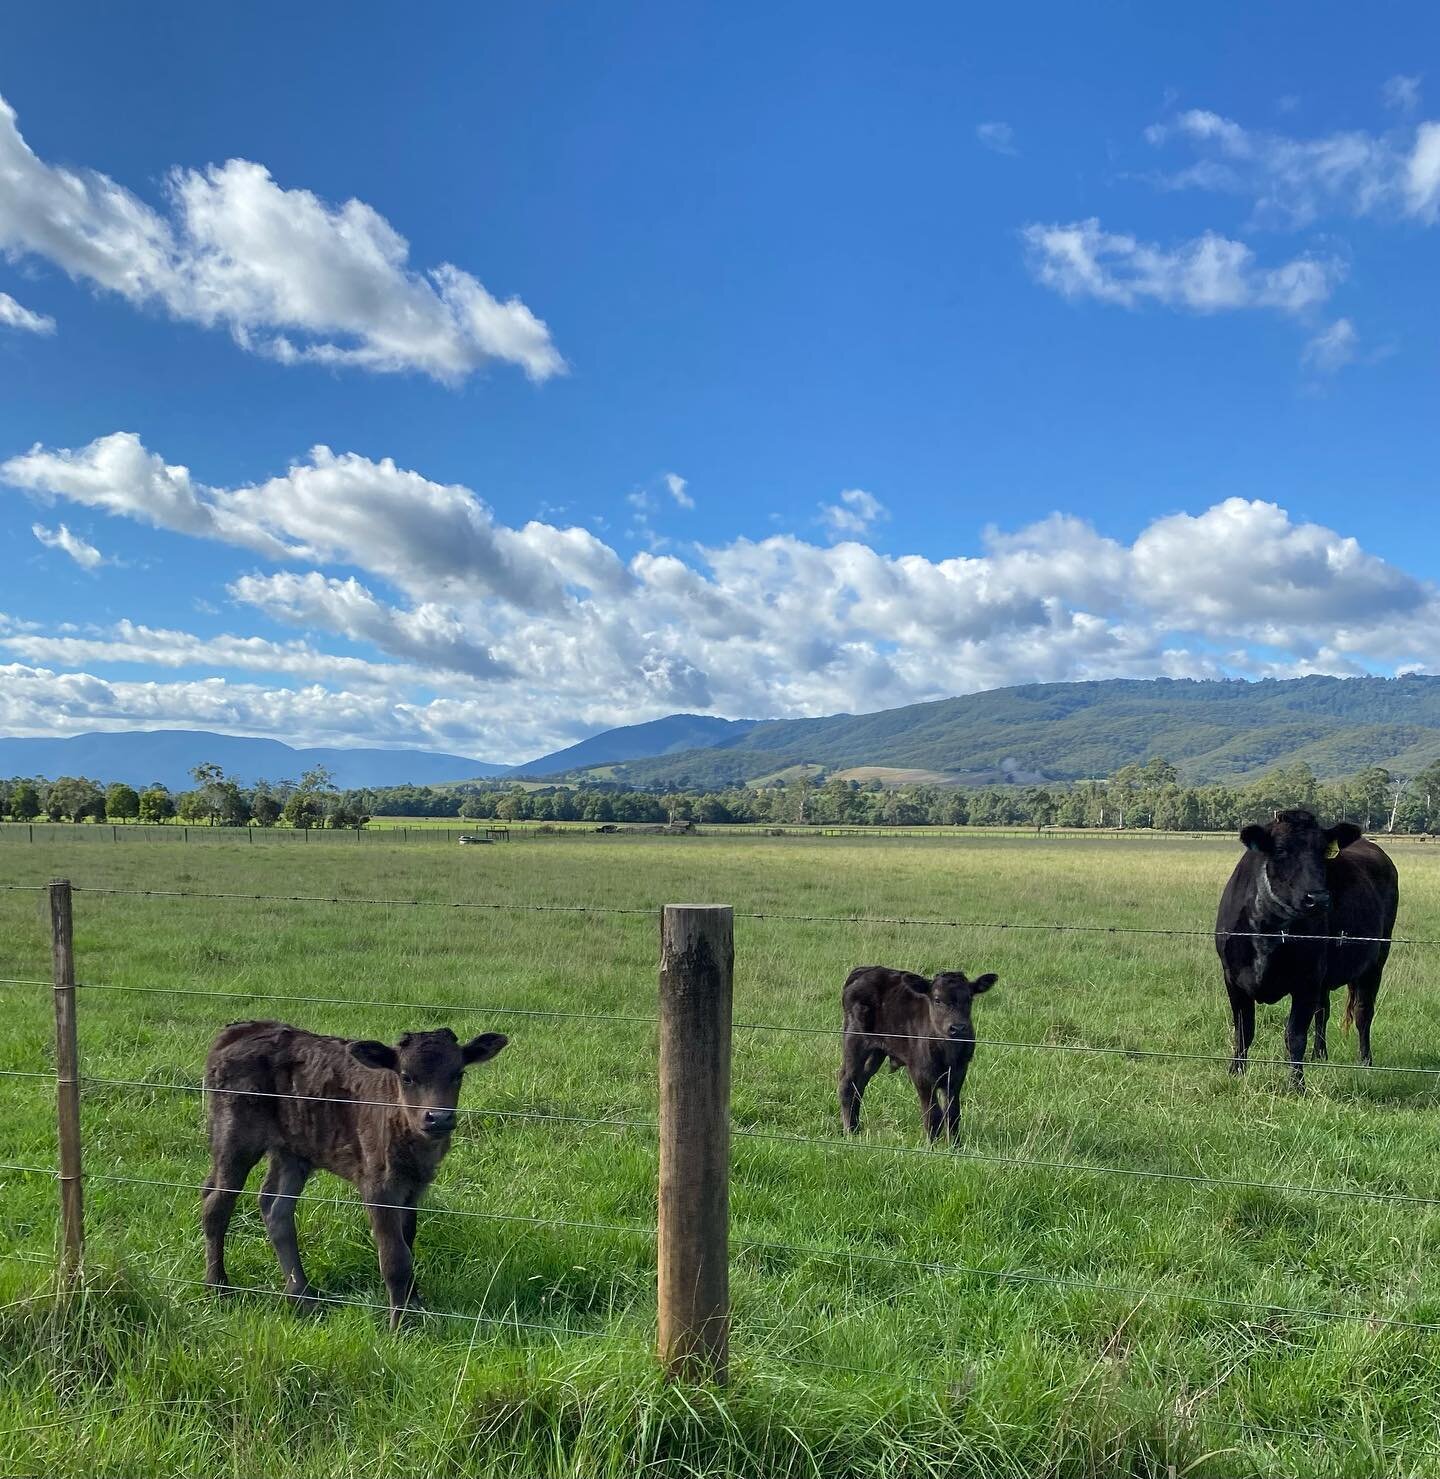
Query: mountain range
1212, 730
139, 757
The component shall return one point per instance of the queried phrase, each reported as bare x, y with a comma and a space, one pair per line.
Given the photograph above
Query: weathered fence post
697, 958
67, 1078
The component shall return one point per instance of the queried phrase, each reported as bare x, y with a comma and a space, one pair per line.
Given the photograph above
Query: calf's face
948, 997
1294, 849
430, 1067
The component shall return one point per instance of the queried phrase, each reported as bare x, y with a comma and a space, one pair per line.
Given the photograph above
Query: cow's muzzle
439, 1121
1316, 903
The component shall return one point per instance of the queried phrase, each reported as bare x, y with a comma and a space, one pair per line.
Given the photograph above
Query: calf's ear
481, 1049
375, 1055
1256, 837
982, 984
1342, 834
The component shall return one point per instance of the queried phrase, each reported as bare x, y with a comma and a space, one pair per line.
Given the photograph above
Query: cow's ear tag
1333, 851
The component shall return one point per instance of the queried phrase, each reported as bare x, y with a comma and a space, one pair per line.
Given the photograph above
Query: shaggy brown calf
920, 1025
276, 1087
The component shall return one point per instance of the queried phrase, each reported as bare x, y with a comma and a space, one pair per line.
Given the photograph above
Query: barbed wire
642, 1019
812, 1141
1143, 1293
1290, 936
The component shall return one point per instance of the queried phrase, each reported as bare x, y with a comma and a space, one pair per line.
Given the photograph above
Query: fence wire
653, 910
641, 1019
815, 1142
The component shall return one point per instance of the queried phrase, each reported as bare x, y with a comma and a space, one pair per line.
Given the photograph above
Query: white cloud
134, 643
854, 514
427, 634
15, 315
288, 274
476, 661
998, 137
1294, 182
1422, 174
1402, 93
1333, 348
677, 487
1208, 274
80, 550
342, 509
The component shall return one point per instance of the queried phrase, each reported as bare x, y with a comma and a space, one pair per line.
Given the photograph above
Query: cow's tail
1349, 1018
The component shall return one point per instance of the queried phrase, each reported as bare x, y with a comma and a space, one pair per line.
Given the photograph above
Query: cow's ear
1256, 837
375, 1055
483, 1048
982, 984
1342, 834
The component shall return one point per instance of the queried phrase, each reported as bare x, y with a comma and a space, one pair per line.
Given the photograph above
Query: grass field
848, 1359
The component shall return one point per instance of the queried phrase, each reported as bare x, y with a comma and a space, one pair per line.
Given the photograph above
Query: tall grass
850, 1358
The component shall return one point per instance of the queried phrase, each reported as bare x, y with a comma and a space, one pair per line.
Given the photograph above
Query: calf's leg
857, 1068
397, 1266
283, 1182
232, 1158
931, 1114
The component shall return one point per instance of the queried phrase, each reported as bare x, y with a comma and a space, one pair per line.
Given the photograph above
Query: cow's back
300, 1091
880, 999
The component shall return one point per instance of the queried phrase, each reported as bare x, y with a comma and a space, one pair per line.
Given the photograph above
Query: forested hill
1069, 731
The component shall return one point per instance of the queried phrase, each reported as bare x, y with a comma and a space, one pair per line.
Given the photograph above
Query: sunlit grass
843, 1364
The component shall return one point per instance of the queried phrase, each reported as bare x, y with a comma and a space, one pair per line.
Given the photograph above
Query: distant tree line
216, 800
1149, 796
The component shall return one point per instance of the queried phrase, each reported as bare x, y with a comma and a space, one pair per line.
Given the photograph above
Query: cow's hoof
1238, 1066
220, 1288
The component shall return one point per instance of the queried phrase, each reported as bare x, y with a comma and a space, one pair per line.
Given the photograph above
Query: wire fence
633, 1122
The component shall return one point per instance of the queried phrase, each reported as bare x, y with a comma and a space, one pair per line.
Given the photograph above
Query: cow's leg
408, 1229
931, 1113
950, 1086
232, 1158
1365, 989
397, 1267
857, 1068
1297, 1028
1319, 1053
283, 1182
1242, 1015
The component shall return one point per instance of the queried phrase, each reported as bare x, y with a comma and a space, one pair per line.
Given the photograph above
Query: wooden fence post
697, 958
67, 1079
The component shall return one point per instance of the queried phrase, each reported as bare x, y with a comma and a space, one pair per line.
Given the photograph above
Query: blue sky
753, 360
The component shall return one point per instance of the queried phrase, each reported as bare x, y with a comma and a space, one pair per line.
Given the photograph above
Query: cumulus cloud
427, 634
340, 508
854, 514
997, 137
85, 555
456, 656
1208, 274
1294, 182
15, 315
289, 274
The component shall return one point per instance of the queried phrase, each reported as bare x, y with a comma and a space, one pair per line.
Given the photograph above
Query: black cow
1296, 881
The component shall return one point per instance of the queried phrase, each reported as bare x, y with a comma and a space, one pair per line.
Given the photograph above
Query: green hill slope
1068, 731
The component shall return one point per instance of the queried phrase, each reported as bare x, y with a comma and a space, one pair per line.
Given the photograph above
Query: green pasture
898, 1310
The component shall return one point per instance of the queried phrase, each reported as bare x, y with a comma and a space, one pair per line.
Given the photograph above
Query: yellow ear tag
1333, 851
